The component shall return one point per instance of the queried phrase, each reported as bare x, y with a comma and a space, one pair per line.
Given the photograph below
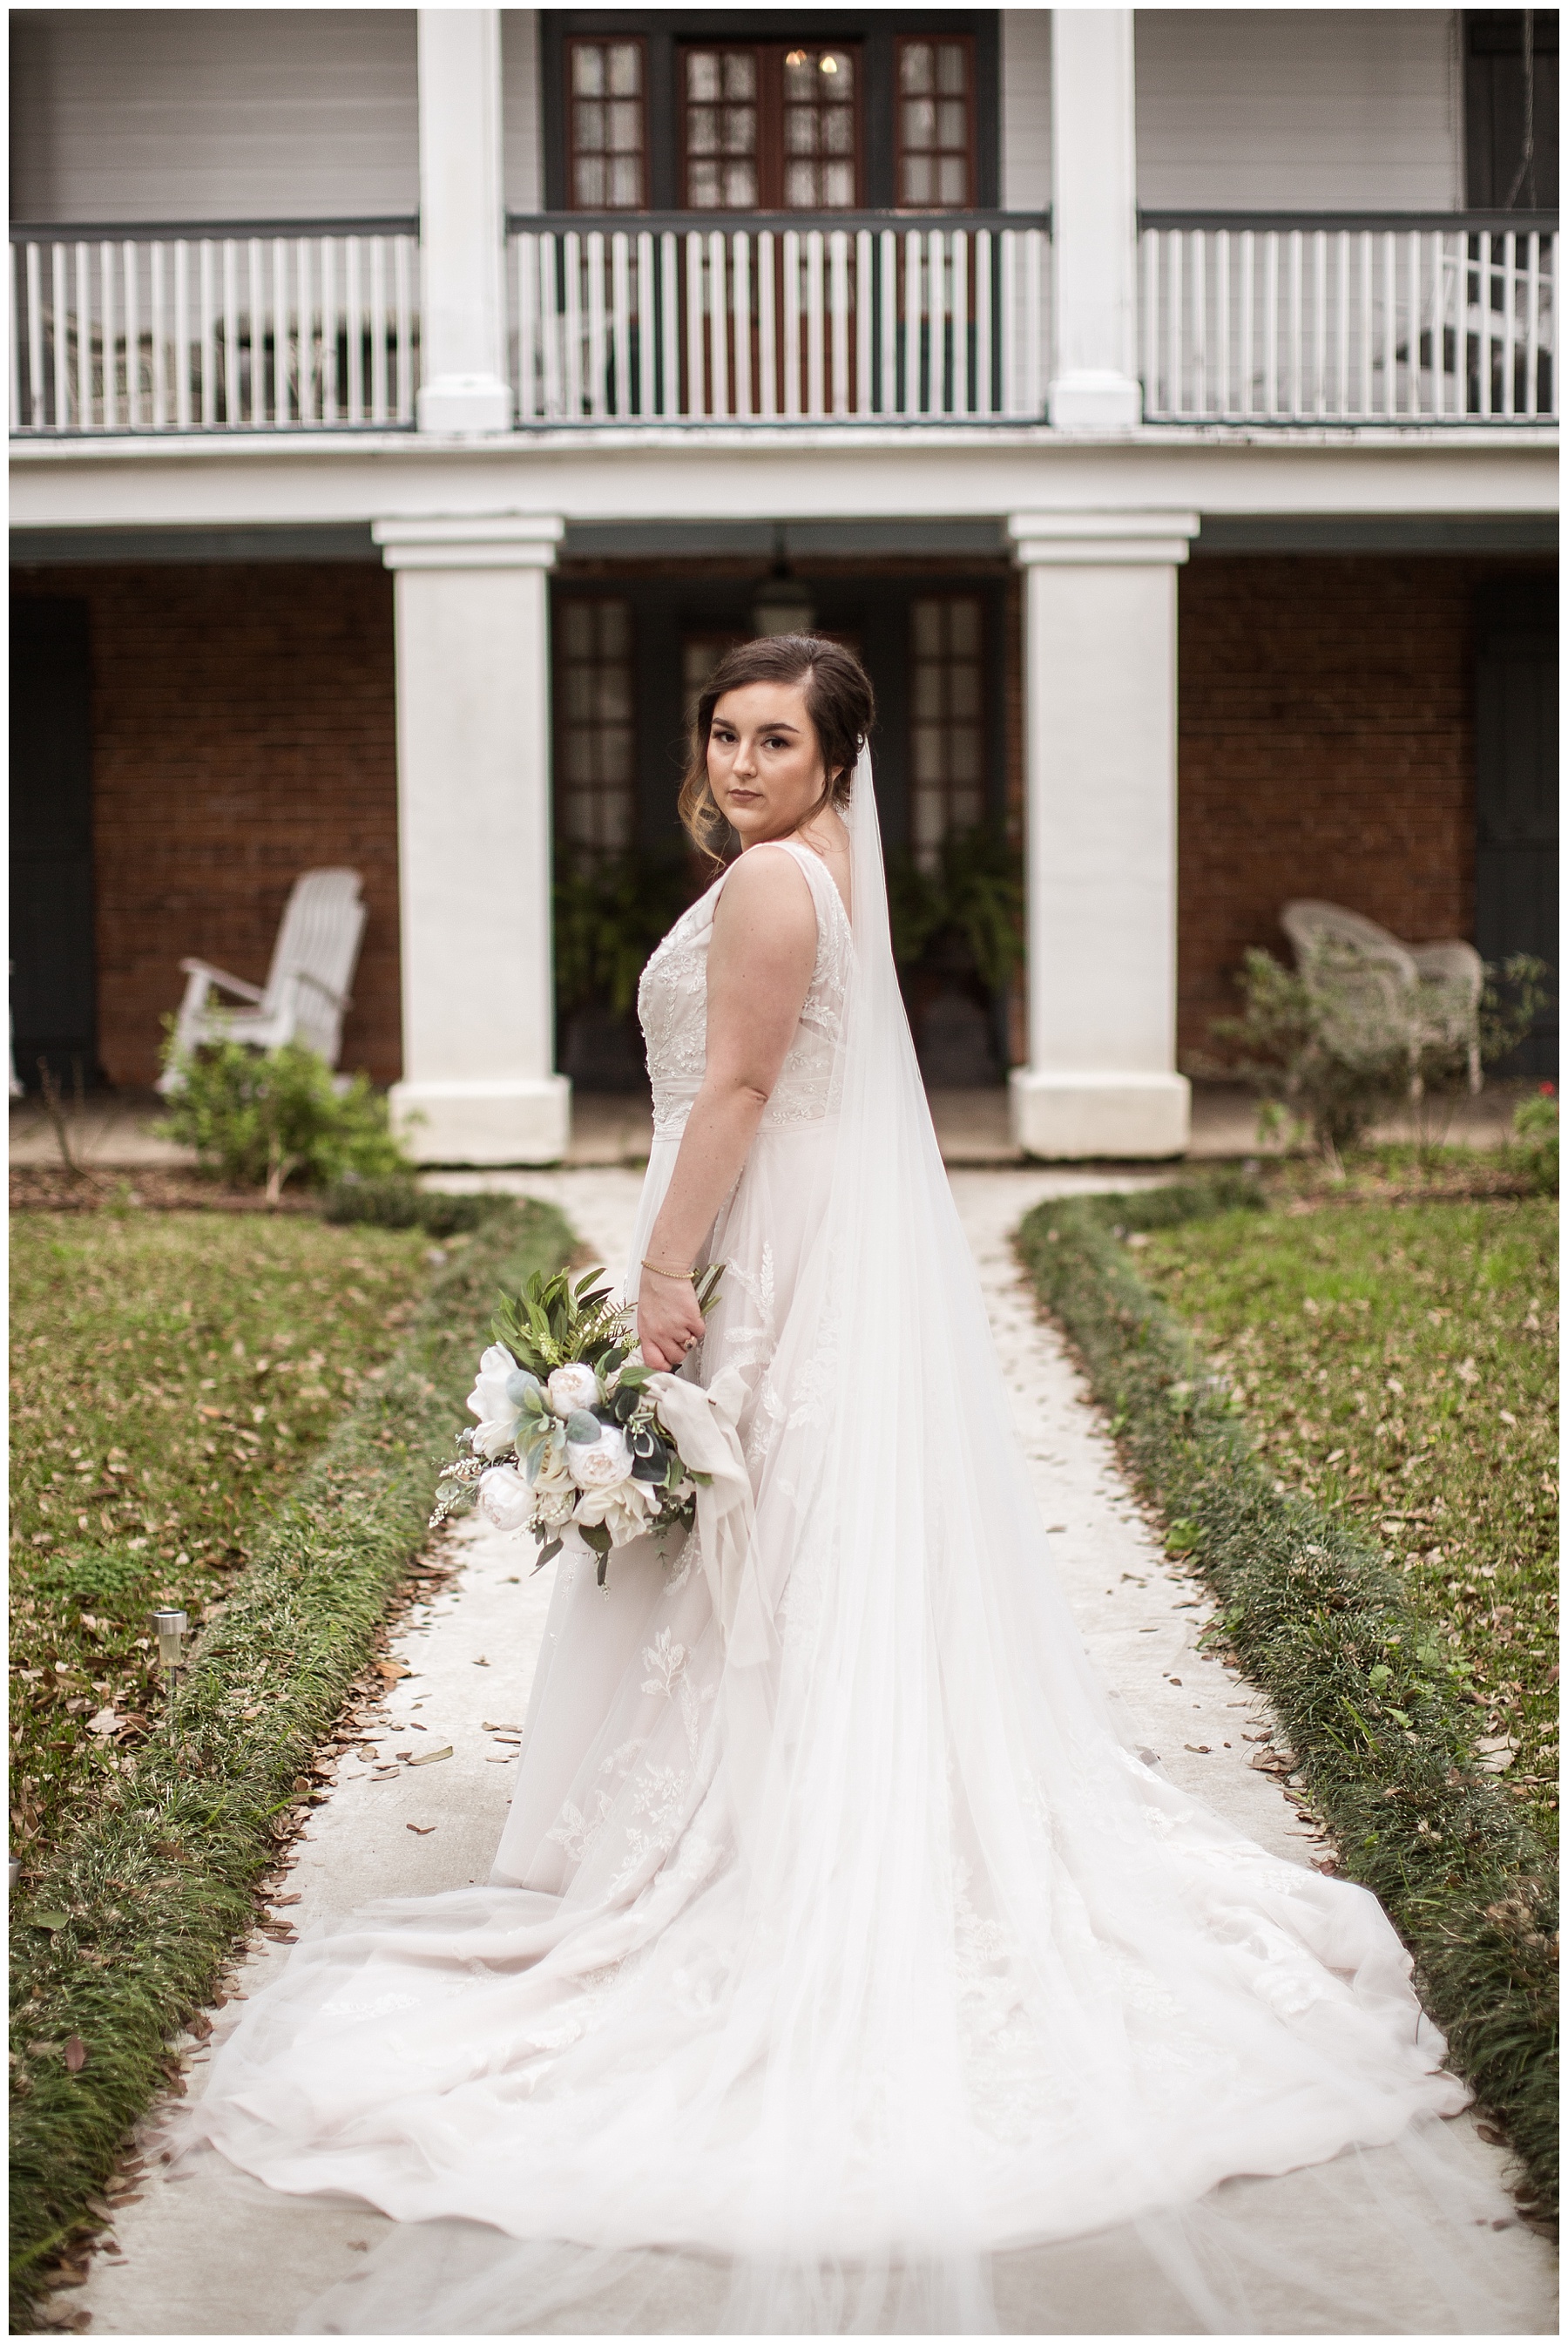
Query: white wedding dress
831, 1959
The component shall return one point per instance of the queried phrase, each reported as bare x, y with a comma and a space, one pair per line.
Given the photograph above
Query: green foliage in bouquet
260, 1118
976, 892
553, 1324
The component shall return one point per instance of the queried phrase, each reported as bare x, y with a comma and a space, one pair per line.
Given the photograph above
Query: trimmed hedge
1311, 1612
155, 1894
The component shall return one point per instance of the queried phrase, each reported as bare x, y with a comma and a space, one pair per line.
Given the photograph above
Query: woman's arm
759, 964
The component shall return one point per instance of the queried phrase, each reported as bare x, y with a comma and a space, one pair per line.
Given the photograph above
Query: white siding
522, 169
1025, 110
156, 114
1311, 109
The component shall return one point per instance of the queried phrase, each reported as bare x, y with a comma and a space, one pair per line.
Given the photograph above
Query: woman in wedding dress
837, 1954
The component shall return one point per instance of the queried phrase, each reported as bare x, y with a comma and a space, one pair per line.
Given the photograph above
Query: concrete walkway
207, 2255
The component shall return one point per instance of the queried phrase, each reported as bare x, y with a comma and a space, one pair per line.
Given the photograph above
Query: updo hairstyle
839, 701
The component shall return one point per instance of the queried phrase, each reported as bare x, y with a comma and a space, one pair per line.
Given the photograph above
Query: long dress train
842, 1948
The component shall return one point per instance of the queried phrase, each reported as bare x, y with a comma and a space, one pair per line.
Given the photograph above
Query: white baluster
984, 393
620, 321
1199, 323
18, 421
550, 329
1175, 320
1148, 323
864, 313
1011, 358
1271, 321
405, 251
1296, 297
767, 325
888, 318
1035, 313
1509, 329
1320, 322
597, 386
131, 269
745, 405
669, 321
597, 344
1342, 324
107, 309
331, 385
839, 302
233, 400
1552, 326
915, 391
960, 321
37, 396
791, 324
1390, 327
1531, 321
310, 345
718, 323
696, 389
816, 327
282, 337
528, 326
377, 329
83, 321
1224, 403
572, 324
647, 327
1246, 327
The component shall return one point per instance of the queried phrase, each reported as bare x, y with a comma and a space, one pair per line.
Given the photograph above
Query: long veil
954, 2012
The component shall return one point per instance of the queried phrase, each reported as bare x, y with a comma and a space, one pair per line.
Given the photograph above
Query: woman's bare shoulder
766, 883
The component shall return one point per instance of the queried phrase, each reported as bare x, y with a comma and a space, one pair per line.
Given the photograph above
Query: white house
1017, 346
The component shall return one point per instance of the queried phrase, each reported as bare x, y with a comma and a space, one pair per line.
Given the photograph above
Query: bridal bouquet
569, 1435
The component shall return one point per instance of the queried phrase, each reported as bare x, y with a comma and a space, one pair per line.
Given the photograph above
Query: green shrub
976, 892
1534, 1148
398, 1203
610, 913
262, 1118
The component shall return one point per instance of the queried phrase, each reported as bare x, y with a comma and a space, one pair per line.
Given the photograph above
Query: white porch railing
264, 325
1325, 318
779, 318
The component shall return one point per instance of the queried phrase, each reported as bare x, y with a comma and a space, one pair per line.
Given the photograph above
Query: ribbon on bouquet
703, 1424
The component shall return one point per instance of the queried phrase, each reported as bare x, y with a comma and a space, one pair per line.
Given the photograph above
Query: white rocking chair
1437, 986
306, 995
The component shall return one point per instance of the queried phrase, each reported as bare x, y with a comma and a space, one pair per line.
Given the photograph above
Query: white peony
601, 1464
626, 1510
497, 1414
504, 1498
572, 1386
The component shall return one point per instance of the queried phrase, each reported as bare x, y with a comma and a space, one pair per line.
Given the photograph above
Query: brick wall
243, 731
1326, 748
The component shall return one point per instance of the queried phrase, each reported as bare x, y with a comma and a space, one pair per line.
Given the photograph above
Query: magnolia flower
572, 1386
489, 1401
601, 1464
504, 1498
626, 1510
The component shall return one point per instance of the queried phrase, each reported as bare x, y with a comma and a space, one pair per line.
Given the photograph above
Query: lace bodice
672, 1007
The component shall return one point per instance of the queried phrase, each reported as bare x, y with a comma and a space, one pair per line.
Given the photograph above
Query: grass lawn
1398, 1362
170, 1375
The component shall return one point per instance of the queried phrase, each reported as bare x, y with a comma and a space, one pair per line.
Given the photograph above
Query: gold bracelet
687, 1276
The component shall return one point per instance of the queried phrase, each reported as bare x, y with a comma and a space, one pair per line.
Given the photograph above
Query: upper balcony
835, 292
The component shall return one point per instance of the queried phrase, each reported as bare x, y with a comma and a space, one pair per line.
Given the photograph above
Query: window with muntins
936, 124
607, 125
596, 799
770, 126
947, 747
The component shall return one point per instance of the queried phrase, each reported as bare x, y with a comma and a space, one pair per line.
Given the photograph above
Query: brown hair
839, 701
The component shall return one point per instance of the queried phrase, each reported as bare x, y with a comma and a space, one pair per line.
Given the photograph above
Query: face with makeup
764, 761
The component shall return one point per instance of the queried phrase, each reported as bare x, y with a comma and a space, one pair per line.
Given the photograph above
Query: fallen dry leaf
423, 1830
75, 2054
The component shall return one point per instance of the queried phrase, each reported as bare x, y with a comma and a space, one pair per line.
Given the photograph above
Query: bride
837, 1961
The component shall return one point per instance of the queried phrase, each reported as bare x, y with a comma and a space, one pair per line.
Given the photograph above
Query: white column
462, 223
474, 841
1094, 220
1100, 700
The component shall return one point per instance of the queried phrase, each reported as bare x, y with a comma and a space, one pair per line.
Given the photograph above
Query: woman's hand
669, 1321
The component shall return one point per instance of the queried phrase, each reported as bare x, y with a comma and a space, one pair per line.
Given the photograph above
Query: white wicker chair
1434, 990
306, 995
